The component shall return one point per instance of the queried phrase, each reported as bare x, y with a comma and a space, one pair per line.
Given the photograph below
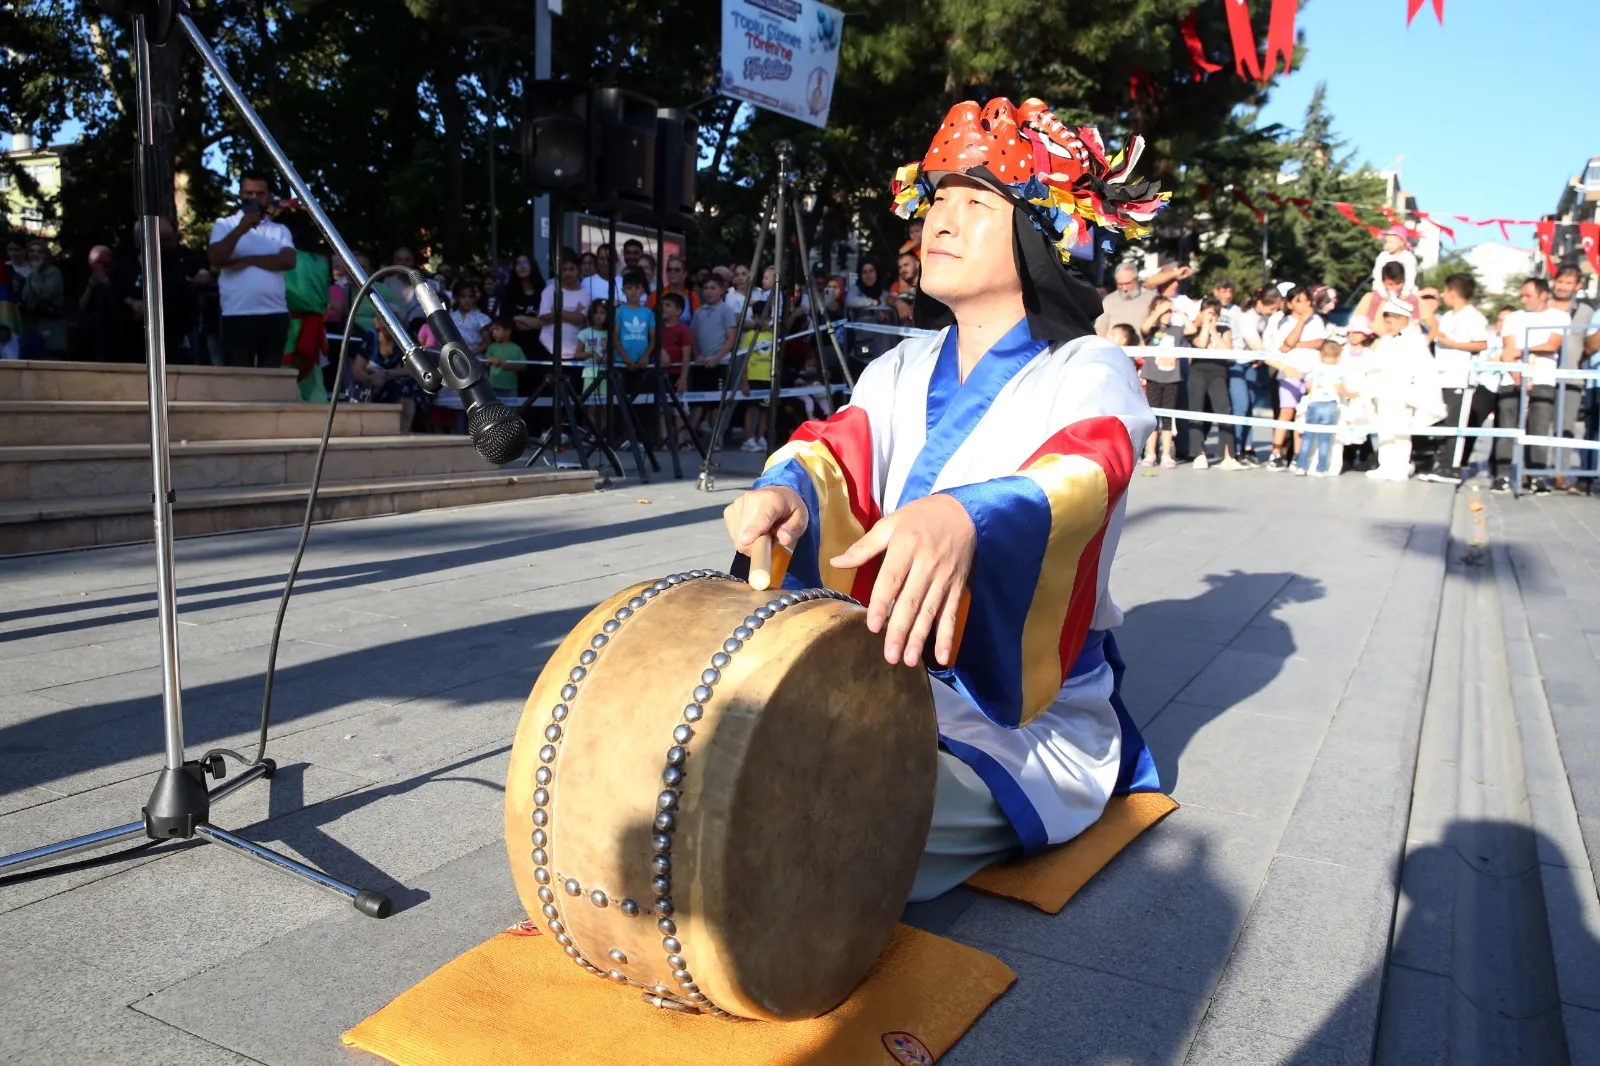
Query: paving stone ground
1279, 638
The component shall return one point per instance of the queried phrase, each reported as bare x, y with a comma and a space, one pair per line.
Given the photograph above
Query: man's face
569, 273
1127, 280
1392, 286
966, 244
1224, 295
908, 269
254, 189
1533, 299
631, 251
16, 252
1168, 290
1564, 285
602, 260
404, 258
915, 232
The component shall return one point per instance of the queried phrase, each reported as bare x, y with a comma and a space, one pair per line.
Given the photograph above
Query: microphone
497, 431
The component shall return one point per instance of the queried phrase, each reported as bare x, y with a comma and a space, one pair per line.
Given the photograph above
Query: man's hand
771, 510
927, 547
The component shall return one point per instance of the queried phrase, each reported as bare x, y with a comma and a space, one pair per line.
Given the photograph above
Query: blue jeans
1263, 394
1320, 445
1239, 401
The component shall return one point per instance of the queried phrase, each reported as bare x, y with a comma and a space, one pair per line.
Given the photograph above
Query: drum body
721, 795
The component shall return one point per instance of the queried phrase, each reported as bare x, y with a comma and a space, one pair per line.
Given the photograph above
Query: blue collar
955, 408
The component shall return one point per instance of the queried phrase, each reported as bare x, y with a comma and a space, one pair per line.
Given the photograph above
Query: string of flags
1544, 229
1247, 59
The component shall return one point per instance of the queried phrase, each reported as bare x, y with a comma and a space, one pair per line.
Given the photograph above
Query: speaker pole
785, 149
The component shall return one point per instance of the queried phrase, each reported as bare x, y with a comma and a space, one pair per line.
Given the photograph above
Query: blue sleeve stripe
1012, 519
805, 571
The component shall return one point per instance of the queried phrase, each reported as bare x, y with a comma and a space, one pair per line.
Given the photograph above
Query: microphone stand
179, 807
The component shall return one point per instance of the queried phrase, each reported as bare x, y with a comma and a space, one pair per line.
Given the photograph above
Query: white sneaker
761, 444
751, 444
1230, 463
1298, 471
1201, 462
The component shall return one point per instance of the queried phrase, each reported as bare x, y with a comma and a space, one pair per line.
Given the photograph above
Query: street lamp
491, 40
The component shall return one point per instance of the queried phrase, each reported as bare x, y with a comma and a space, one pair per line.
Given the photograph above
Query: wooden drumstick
761, 563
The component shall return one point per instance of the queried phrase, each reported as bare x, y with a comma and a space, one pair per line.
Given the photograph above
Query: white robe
1031, 437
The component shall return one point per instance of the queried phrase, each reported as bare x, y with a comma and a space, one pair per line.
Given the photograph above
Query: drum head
798, 818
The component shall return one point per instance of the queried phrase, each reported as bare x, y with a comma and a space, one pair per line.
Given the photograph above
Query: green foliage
1322, 248
386, 108
1454, 261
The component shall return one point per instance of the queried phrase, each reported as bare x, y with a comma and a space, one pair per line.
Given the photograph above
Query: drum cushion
1049, 879
517, 998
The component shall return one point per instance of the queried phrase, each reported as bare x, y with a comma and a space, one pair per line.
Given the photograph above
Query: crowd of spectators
1395, 360
1400, 361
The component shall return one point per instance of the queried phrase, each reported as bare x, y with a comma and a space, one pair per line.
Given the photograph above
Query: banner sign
781, 55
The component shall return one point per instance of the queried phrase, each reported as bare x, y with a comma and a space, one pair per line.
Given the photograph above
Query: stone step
39, 422
47, 379
54, 525
79, 471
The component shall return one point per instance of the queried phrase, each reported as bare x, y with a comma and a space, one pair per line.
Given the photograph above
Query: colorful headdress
1060, 173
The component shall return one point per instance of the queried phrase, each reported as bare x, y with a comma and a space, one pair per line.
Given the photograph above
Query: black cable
305, 524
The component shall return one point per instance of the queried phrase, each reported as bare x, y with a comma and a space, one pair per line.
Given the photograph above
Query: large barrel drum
720, 795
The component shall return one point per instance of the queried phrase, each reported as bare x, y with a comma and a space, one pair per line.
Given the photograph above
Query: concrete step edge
46, 453
187, 406
19, 511
1572, 901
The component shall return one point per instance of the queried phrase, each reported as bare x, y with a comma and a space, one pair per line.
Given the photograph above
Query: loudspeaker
677, 159
560, 138
626, 177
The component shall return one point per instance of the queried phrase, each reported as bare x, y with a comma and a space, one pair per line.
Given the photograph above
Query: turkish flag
1546, 229
1280, 36
1246, 62
1590, 232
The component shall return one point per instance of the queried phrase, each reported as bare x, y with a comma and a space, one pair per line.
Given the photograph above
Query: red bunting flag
1199, 65
1280, 36
1246, 62
1139, 82
1349, 211
1413, 6
1546, 229
1441, 227
1301, 203
1244, 198
1590, 232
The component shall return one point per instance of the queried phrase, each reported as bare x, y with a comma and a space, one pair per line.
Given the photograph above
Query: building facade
25, 212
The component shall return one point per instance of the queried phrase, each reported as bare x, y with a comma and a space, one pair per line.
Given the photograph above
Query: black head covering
875, 290
1061, 304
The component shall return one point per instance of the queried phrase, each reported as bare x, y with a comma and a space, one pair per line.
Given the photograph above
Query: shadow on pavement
1472, 977
268, 587
1158, 627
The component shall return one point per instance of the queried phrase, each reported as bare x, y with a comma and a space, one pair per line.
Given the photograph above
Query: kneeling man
974, 489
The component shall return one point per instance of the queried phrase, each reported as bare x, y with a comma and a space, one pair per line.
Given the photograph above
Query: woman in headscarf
972, 493
868, 289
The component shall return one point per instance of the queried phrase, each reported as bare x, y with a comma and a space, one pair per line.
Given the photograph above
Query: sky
1493, 112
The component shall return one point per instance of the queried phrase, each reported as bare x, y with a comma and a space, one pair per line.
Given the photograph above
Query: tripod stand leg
372, 904
22, 860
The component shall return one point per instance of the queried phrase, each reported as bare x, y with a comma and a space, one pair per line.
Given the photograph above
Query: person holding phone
252, 253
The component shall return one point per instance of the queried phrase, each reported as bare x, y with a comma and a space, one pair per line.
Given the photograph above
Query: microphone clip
423, 363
